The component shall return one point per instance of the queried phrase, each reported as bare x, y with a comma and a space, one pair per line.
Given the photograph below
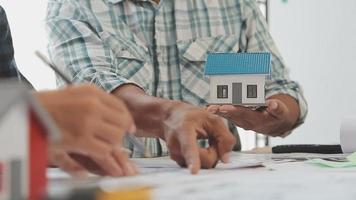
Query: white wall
318, 41
245, 80
26, 20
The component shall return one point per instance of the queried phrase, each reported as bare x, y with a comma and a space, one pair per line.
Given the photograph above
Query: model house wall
14, 149
38, 157
256, 80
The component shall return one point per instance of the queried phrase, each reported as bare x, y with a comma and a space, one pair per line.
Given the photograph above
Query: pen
129, 137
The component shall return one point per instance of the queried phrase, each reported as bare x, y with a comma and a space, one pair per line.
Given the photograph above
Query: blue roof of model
238, 63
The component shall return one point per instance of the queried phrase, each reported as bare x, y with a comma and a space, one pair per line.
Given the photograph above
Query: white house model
24, 130
238, 78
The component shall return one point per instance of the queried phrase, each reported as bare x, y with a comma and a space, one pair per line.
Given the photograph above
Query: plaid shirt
160, 47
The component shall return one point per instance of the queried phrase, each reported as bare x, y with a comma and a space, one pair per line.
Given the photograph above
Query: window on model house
251, 91
222, 91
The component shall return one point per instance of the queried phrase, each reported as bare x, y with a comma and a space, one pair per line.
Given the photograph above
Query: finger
208, 157
212, 108
109, 165
201, 133
242, 116
236, 113
134, 167
227, 108
275, 108
88, 163
225, 158
122, 159
222, 137
101, 154
178, 158
190, 151
175, 152
69, 165
234, 110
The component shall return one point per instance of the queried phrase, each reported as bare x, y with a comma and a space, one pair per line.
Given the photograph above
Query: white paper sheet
278, 180
289, 180
164, 164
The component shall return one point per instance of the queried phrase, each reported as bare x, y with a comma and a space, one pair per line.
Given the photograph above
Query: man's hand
279, 117
92, 124
180, 125
184, 125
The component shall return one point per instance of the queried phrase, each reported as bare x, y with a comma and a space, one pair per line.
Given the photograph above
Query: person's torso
172, 39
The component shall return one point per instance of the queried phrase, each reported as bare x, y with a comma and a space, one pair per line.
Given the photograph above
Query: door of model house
236, 93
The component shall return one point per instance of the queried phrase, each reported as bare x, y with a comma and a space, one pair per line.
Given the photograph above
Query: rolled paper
348, 135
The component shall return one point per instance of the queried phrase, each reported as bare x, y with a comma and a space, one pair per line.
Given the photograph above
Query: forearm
148, 112
280, 86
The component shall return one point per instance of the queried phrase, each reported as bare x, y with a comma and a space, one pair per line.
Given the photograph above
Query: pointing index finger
190, 151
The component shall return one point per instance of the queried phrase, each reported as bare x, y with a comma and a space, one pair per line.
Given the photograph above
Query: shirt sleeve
257, 38
76, 46
7, 63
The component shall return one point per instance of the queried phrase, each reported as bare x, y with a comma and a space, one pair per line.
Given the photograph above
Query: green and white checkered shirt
160, 47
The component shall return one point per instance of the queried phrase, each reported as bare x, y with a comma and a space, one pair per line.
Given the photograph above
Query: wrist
148, 112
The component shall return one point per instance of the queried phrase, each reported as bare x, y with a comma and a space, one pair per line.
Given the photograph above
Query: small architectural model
238, 78
24, 129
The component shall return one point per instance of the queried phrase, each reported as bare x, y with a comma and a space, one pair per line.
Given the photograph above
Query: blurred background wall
317, 39
26, 19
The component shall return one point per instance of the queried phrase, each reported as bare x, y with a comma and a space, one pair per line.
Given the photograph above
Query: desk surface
283, 176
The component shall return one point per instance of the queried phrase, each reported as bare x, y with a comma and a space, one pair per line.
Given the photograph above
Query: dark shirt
8, 67
7, 63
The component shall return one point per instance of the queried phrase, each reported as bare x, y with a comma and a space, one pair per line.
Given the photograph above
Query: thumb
275, 108
209, 157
